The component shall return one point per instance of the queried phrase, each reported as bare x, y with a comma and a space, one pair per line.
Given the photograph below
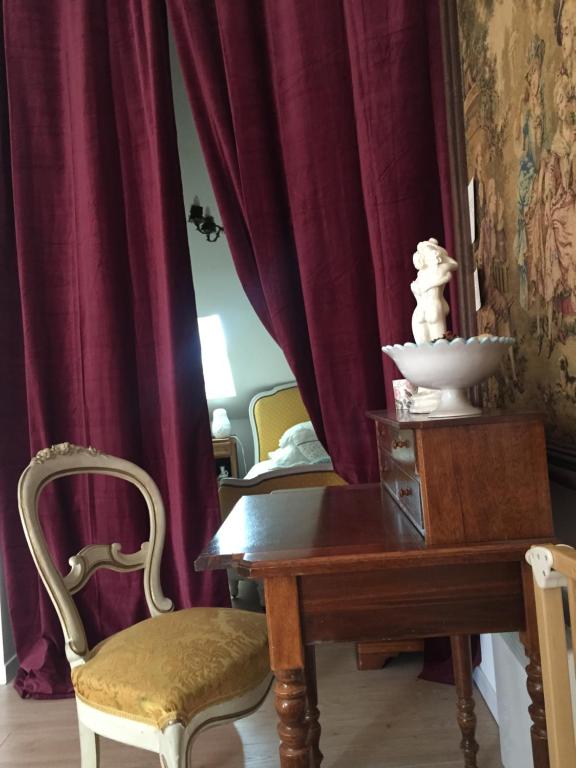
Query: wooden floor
382, 719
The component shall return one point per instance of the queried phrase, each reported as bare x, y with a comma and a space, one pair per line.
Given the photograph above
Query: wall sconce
204, 221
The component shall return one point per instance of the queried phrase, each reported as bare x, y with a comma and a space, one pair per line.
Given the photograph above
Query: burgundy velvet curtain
98, 332
323, 126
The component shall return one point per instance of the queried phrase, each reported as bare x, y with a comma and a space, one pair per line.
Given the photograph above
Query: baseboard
488, 693
8, 670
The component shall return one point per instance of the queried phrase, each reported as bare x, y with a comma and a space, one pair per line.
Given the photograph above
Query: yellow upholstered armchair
156, 684
554, 569
271, 413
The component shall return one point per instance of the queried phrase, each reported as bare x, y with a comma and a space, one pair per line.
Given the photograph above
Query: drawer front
409, 498
427, 601
399, 445
389, 474
405, 489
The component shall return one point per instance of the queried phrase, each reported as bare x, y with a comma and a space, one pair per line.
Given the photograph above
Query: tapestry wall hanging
519, 84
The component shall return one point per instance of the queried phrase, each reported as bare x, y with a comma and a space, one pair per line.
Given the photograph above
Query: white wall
257, 361
485, 675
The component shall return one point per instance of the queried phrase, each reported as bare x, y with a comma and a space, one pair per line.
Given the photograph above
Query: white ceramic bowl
451, 366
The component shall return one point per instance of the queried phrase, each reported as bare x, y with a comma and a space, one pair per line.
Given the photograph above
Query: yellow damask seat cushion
171, 667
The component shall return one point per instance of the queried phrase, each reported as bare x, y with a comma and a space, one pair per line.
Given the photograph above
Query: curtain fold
323, 127
98, 329
324, 130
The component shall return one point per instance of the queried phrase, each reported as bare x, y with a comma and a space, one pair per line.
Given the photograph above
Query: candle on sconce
195, 210
204, 221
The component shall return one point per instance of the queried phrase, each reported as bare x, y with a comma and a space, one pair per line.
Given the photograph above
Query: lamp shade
221, 426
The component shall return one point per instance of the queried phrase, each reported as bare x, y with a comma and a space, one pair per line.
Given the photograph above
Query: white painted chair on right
554, 568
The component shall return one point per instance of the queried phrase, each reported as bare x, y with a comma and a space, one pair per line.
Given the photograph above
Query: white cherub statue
435, 269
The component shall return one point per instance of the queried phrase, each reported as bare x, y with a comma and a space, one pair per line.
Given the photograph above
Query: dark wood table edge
300, 563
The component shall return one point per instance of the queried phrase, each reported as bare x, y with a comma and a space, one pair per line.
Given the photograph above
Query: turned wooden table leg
288, 662
290, 690
538, 732
462, 662
312, 711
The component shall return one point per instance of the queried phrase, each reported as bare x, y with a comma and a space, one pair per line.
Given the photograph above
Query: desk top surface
318, 530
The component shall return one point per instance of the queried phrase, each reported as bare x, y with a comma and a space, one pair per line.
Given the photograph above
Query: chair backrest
554, 568
271, 413
68, 459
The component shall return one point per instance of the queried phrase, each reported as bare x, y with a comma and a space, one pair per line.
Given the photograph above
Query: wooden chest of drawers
398, 471
476, 479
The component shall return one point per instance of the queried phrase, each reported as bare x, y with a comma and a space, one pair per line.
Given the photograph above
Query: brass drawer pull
400, 444
405, 492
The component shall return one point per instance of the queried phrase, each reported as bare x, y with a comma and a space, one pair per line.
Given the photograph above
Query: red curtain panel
323, 126
98, 330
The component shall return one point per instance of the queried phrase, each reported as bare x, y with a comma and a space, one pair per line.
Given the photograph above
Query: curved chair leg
89, 747
173, 747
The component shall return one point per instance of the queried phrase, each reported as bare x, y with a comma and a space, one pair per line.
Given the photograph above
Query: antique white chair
554, 568
156, 684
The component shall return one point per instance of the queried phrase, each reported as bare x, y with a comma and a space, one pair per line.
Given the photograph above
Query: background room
256, 361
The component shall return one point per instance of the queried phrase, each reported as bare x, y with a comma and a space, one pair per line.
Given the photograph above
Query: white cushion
289, 456
298, 433
299, 445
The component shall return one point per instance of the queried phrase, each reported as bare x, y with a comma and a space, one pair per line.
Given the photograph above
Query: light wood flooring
375, 719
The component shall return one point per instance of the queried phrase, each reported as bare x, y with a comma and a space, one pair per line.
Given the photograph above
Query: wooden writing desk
343, 564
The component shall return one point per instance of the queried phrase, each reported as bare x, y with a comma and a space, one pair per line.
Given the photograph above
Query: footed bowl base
453, 403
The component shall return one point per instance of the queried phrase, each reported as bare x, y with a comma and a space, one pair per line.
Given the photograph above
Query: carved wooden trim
312, 715
63, 449
96, 556
290, 693
537, 708
462, 662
